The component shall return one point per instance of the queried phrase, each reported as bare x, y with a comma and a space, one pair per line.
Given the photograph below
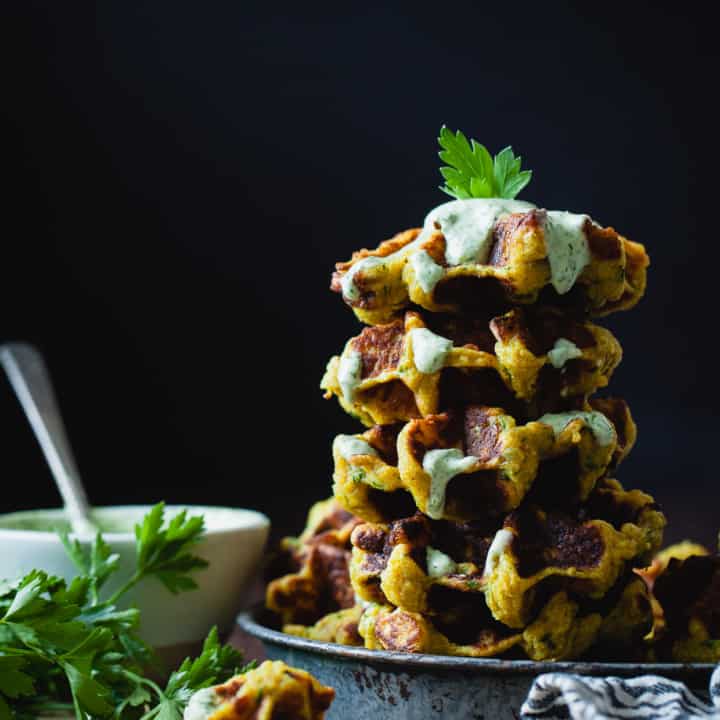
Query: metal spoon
30, 380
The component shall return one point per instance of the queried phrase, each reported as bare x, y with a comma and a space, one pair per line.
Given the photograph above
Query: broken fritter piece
507, 253
528, 361
339, 627
272, 691
626, 624
686, 593
318, 581
611, 502
561, 631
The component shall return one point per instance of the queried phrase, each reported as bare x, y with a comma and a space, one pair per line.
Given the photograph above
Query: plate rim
250, 623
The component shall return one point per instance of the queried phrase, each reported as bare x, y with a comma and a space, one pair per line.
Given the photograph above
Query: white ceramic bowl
232, 545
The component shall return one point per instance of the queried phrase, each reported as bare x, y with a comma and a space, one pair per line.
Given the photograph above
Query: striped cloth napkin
560, 696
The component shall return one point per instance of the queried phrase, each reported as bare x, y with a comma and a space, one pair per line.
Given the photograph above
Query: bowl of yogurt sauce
174, 624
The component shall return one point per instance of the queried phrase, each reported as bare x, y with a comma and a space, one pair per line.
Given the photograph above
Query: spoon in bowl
30, 379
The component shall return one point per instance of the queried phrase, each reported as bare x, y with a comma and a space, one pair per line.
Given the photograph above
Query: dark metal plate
380, 685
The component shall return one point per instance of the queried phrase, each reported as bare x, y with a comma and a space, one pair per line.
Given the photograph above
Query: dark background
181, 177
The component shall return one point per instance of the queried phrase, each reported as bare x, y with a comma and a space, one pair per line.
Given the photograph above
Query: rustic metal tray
379, 685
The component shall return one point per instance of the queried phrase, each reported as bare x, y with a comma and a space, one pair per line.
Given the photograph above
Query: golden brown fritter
387, 628
318, 581
379, 284
609, 501
685, 586
462, 466
624, 627
434, 567
530, 361
477, 462
339, 627
585, 557
563, 629
272, 691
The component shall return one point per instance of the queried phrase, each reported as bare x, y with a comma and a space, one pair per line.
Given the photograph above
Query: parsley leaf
13, 681
163, 553
98, 563
471, 172
215, 662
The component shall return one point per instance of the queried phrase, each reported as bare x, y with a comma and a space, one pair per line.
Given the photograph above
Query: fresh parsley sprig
216, 662
163, 552
471, 171
65, 648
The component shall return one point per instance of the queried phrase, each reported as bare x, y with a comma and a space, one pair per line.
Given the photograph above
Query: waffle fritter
413, 268
339, 627
687, 603
527, 361
564, 628
549, 549
388, 628
457, 466
272, 691
432, 567
317, 580
478, 461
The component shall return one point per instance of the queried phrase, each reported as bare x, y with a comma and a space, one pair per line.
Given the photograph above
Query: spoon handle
30, 379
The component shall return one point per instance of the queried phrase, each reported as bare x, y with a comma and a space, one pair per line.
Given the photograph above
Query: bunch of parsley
63, 649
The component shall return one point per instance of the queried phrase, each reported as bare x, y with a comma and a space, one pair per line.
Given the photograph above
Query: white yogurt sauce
349, 446
427, 272
501, 542
567, 248
468, 224
429, 350
349, 289
349, 373
442, 466
202, 705
438, 563
562, 351
599, 425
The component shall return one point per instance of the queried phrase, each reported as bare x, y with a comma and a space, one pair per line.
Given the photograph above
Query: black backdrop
181, 177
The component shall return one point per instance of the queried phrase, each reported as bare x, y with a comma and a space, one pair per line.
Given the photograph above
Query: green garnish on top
471, 171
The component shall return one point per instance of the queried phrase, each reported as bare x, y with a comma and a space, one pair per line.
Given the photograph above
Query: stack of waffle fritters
477, 514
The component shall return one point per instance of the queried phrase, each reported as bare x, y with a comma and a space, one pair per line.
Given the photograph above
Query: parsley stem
79, 714
145, 681
46, 706
131, 583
